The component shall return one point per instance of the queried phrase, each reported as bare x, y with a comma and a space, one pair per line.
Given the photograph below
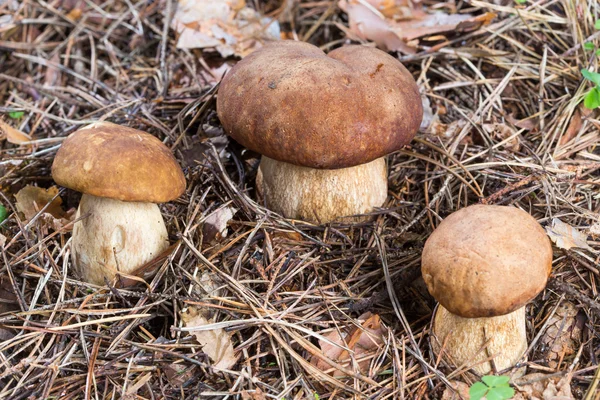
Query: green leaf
3, 213
492, 380
493, 395
520, 1
477, 391
597, 24
592, 99
591, 76
589, 46
598, 52
505, 391
16, 114
316, 396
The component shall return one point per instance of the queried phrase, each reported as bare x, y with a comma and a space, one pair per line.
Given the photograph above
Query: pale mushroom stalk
476, 341
322, 195
323, 123
115, 237
483, 264
122, 173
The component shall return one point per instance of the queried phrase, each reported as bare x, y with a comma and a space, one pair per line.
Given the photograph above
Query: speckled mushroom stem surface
322, 195
115, 236
477, 342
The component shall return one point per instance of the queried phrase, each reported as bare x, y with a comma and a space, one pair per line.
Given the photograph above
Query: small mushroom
483, 263
122, 173
323, 124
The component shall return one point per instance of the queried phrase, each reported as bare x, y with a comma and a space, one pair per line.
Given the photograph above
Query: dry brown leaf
32, 199
13, 135
502, 132
226, 25
460, 392
573, 128
53, 75
566, 237
210, 284
216, 343
256, 394
368, 21
527, 123
215, 225
563, 335
539, 387
362, 342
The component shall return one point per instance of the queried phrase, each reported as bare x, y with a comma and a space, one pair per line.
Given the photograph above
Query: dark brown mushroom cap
485, 261
293, 103
108, 160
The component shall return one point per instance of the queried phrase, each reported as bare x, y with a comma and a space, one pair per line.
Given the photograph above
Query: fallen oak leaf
566, 237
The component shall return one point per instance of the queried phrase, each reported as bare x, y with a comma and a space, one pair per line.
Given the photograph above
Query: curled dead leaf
12, 135
363, 342
376, 20
32, 199
216, 343
215, 225
566, 237
226, 25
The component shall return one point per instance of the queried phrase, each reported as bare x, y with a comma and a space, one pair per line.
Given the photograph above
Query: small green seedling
597, 24
589, 46
592, 98
493, 388
3, 213
520, 1
16, 114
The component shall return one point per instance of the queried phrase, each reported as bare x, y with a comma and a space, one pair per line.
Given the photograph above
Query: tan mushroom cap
485, 261
293, 103
108, 160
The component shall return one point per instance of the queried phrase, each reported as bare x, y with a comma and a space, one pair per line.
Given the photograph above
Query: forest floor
505, 125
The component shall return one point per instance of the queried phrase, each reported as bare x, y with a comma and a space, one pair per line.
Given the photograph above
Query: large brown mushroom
483, 263
323, 124
122, 173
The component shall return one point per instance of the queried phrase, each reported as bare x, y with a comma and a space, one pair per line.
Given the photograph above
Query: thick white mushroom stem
115, 236
473, 342
321, 195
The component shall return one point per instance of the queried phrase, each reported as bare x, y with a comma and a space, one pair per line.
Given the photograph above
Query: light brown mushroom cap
485, 261
293, 103
108, 160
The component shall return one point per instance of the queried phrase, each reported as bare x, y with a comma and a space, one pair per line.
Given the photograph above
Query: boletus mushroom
482, 264
122, 173
323, 123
